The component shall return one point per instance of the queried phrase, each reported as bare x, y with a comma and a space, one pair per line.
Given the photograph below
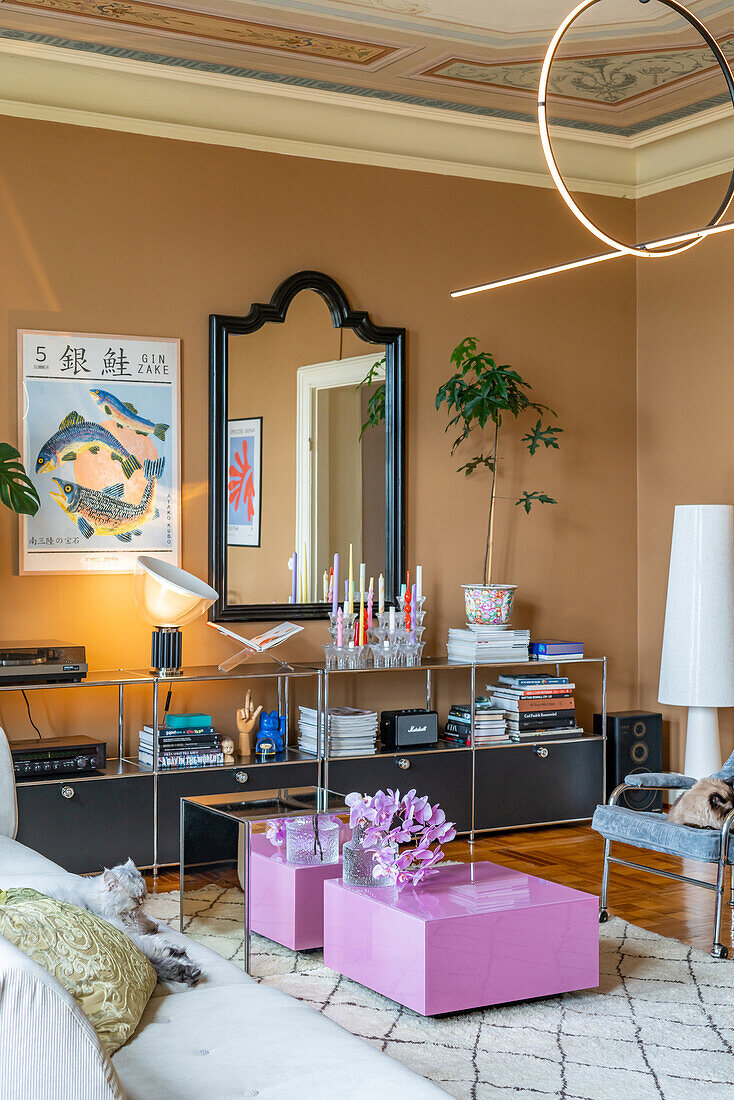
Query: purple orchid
388, 820
276, 832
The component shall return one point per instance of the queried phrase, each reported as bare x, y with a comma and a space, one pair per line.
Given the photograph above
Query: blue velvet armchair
657, 834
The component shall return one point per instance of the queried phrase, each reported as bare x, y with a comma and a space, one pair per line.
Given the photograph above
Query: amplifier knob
67, 792
241, 777
81, 761
403, 763
542, 752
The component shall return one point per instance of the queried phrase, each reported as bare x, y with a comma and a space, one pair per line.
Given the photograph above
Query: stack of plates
352, 732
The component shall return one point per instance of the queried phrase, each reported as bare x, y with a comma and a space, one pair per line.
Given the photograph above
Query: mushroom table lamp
168, 598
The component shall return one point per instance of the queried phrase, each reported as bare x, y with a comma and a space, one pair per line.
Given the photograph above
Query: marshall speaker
403, 728
634, 744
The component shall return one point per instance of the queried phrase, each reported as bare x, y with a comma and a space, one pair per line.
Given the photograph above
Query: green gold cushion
109, 978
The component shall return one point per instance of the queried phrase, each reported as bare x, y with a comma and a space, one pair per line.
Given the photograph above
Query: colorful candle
351, 580
381, 594
419, 580
326, 586
335, 595
330, 593
392, 620
294, 568
408, 622
414, 607
339, 627
361, 602
370, 602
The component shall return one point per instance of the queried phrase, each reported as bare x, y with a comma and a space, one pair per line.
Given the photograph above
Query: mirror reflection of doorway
340, 471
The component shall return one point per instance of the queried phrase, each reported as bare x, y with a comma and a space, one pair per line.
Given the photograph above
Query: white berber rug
660, 1026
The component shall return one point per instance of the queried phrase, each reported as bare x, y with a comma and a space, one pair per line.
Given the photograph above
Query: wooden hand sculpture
247, 718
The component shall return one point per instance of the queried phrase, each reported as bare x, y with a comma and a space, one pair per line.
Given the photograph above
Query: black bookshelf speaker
634, 744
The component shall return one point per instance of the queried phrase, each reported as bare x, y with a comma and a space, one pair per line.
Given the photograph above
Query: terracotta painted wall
108, 232
686, 398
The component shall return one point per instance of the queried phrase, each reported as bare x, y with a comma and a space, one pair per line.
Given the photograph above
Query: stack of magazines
191, 747
351, 732
481, 644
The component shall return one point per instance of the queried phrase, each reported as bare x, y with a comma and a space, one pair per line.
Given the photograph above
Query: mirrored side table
233, 819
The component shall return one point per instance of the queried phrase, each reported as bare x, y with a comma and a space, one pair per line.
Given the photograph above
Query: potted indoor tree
17, 491
480, 396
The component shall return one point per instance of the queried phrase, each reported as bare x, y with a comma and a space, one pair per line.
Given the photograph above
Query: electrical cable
30, 716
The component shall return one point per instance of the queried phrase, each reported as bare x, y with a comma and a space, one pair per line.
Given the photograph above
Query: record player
50, 663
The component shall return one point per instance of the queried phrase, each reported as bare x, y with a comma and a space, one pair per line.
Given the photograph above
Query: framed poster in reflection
244, 481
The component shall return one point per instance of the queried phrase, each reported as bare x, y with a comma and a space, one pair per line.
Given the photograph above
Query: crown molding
43, 82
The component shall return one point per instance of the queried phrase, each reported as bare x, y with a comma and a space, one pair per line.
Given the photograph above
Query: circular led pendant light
666, 246
630, 250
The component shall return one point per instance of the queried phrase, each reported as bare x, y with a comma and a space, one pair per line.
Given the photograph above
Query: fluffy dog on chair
704, 806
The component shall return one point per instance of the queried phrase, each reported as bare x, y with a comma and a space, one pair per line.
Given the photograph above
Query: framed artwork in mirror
307, 453
244, 481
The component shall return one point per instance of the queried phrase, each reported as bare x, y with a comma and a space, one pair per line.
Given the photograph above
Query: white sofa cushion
48, 1048
8, 804
248, 1040
16, 859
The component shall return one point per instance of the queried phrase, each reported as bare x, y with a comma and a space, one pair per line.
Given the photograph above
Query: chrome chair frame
718, 950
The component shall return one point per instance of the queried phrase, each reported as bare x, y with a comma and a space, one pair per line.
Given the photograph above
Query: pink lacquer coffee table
474, 934
287, 899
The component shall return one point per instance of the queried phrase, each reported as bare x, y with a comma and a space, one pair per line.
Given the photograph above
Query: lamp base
165, 651
703, 750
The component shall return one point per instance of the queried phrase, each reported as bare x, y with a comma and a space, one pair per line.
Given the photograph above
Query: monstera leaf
16, 490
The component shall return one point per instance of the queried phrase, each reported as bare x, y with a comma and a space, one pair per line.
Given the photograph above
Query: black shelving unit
133, 810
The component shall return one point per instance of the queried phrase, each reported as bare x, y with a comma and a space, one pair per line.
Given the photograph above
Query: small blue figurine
270, 734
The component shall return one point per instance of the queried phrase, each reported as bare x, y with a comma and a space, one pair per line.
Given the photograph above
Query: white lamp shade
697, 665
166, 595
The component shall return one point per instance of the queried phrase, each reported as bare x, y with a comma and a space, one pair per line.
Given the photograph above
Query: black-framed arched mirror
307, 452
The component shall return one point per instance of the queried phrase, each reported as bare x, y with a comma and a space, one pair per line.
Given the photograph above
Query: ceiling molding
88, 89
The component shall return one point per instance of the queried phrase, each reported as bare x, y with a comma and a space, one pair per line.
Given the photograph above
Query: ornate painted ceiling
627, 67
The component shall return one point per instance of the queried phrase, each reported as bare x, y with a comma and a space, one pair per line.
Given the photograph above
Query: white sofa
227, 1038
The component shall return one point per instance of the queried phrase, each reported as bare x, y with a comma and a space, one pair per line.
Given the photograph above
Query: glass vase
359, 861
312, 840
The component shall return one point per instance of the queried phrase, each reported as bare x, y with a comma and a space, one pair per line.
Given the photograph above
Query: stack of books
536, 707
554, 650
196, 746
480, 644
352, 732
490, 726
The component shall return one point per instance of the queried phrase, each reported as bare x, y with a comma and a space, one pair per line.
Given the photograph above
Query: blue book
553, 648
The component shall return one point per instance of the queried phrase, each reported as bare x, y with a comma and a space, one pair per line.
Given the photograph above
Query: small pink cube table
472, 935
287, 899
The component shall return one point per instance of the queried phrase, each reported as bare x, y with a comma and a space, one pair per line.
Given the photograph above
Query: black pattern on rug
659, 1027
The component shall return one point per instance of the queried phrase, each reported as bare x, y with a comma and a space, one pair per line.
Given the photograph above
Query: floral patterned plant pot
489, 604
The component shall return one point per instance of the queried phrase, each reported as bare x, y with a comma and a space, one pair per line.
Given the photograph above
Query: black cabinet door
535, 784
173, 786
444, 776
102, 823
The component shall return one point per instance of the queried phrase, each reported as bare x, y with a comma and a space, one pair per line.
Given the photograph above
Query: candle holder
411, 653
348, 619
339, 657
420, 601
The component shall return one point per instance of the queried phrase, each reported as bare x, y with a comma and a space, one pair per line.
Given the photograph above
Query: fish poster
99, 435
244, 481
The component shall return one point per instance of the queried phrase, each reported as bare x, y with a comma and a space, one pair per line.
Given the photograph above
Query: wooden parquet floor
572, 855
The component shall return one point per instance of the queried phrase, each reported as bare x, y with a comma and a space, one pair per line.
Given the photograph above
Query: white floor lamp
697, 665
